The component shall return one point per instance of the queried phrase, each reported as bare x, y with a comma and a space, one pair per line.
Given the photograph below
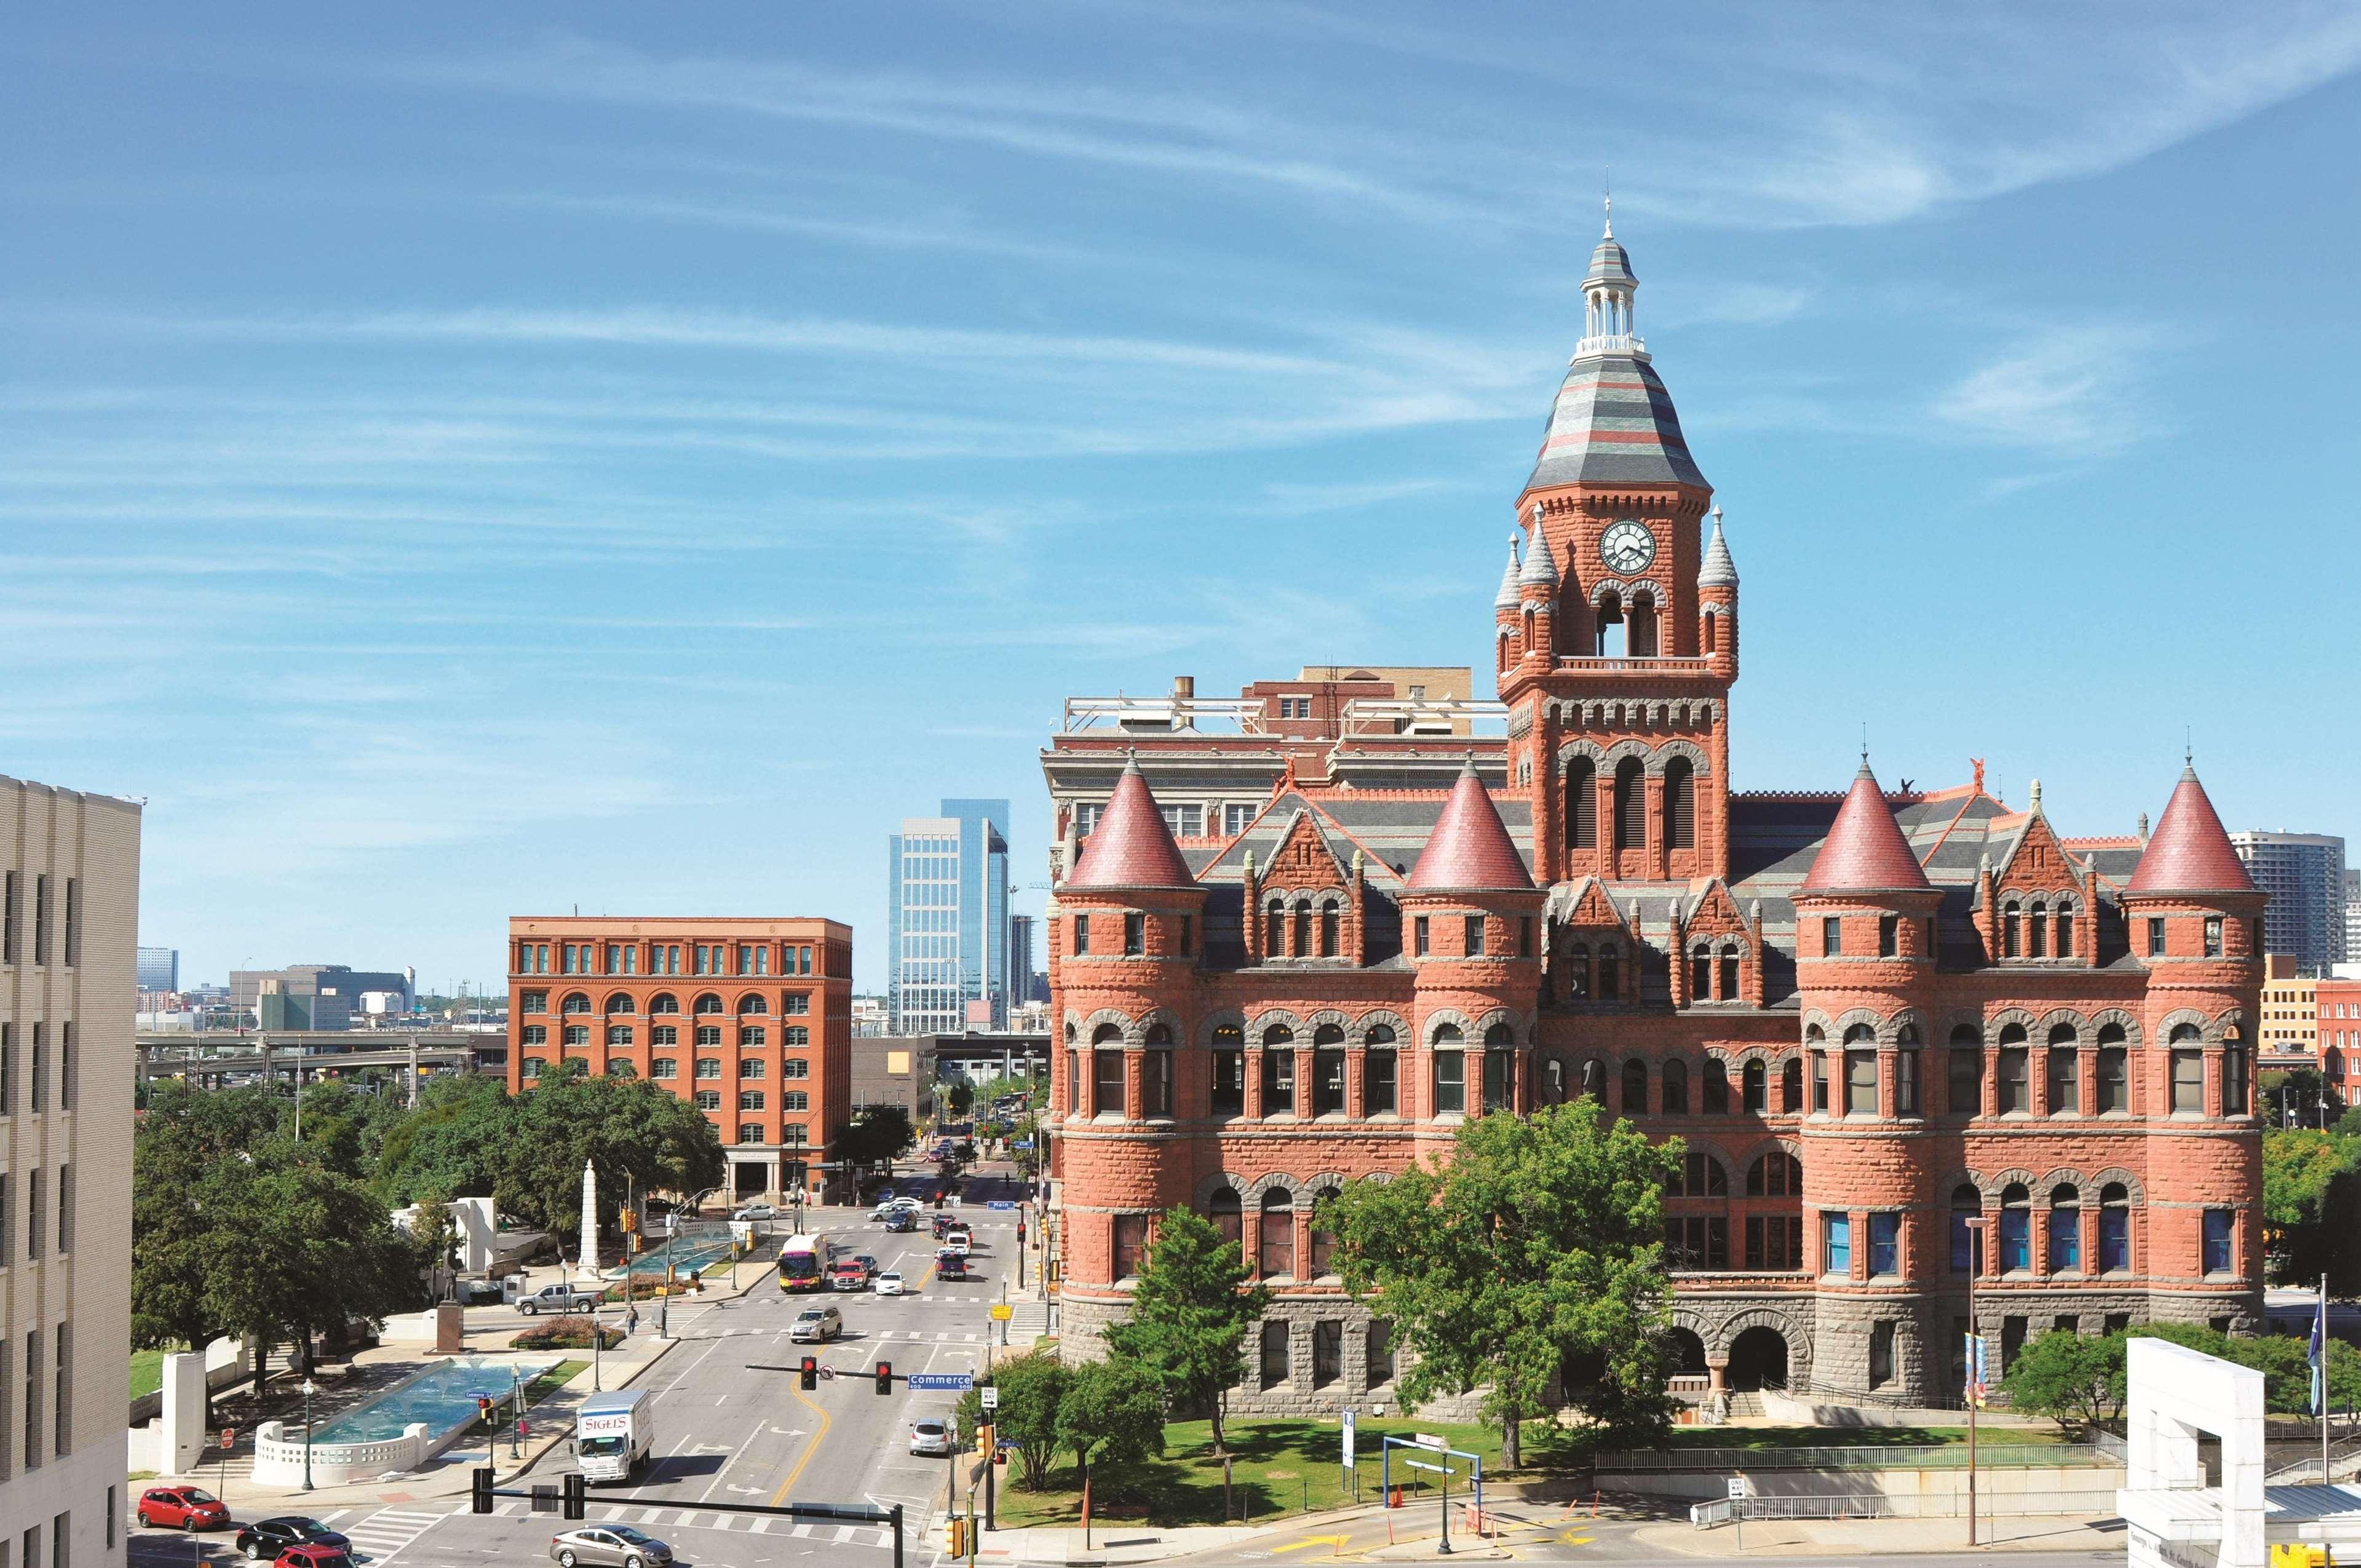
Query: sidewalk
1798, 1538
1062, 1545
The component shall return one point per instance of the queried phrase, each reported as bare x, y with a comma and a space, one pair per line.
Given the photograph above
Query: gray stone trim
1268, 1018
2135, 1190
2053, 1018
1166, 1017
1104, 1015
2069, 1176
2004, 1018
2177, 1017
1216, 1019
1668, 750
1263, 1186
1569, 750
1356, 1033
1469, 1034
1971, 1017
1220, 1181
2003, 1179
2127, 1022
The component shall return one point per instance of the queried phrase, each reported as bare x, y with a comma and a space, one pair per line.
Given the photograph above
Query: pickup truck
558, 1299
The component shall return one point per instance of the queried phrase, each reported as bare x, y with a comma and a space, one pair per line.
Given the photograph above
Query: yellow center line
809, 1448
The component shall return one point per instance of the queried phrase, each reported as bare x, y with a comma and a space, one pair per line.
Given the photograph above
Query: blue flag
2319, 1356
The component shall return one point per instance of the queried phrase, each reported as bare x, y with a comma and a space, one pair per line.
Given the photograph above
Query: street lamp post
1976, 1225
310, 1389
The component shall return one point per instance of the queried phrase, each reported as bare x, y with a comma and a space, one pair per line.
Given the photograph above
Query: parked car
756, 1212
609, 1546
560, 1298
181, 1507
816, 1323
265, 1540
314, 1554
889, 1284
931, 1438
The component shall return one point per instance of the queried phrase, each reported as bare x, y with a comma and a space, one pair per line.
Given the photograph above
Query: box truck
613, 1433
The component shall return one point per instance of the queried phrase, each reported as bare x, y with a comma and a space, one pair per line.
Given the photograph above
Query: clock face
1627, 547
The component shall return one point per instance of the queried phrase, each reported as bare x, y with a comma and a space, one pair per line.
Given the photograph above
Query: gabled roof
1864, 851
2190, 853
1470, 848
1613, 423
1132, 847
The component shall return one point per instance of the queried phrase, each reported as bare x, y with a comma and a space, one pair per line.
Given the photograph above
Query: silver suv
816, 1323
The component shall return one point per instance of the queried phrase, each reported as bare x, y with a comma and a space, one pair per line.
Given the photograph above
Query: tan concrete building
69, 921
2290, 1026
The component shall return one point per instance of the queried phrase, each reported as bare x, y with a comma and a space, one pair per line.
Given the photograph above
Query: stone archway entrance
1688, 1354
1758, 1360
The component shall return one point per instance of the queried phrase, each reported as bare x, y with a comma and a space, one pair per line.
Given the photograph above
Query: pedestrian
631, 1320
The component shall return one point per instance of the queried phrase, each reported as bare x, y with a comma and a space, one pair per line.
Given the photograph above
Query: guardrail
1893, 1456
1720, 1511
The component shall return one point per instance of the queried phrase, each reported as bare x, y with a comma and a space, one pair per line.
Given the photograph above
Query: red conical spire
2190, 853
1132, 847
1469, 846
1864, 851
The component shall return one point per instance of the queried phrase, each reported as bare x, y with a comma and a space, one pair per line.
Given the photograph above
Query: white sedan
889, 1284
756, 1212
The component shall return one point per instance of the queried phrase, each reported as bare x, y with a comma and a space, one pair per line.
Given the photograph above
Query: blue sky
461, 463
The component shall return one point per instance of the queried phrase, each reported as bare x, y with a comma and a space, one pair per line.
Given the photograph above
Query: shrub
564, 1333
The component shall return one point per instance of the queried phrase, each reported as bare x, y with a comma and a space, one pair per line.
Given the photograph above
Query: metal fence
1867, 1457
2090, 1504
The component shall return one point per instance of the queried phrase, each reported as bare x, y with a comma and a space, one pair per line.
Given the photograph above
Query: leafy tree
452, 1146
2312, 1200
628, 1128
2070, 1377
963, 1099
1032, 1388
879, 1133
1538, 1239
1191, 1308
344, 1129
1112, 1413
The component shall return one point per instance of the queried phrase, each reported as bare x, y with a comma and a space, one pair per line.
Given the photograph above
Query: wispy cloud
2072, 393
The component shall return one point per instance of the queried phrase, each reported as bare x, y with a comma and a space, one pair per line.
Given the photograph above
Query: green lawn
1277, 1467
1859, 1437
147, 1372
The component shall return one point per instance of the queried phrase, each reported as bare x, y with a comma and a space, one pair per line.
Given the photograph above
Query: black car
264, 1539
901, 1219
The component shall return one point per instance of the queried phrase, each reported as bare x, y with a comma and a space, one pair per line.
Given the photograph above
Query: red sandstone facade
749, 1020
1868, 1015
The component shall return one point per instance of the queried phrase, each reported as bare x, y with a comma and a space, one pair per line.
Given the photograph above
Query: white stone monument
589, 1220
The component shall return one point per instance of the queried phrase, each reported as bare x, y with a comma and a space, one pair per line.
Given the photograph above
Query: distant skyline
458, 465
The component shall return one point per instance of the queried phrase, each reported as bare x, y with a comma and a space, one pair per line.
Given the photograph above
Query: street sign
1349, 1436
1002, 1311
229, 1437
942, 1382
1428, 1440
1737, 1487
991, 1399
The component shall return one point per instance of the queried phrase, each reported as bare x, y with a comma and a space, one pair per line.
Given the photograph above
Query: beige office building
2290, 1024
69, 920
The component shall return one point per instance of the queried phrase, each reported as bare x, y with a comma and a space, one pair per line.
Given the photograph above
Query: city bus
803, 1263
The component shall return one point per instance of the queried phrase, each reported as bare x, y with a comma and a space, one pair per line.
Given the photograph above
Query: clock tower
1617, 655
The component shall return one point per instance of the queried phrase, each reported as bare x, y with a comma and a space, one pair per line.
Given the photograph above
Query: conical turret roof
2189, 851
1131, 847
1864, 851
1506, 597
1541, 566
1718, 571
1469, 848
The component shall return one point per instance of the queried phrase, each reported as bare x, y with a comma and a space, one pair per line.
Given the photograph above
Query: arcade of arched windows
1303, 923
2041, 925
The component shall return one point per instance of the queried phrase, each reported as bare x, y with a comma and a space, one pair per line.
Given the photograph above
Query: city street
732, 1426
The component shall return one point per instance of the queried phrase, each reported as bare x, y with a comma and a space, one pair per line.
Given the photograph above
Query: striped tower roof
1614, 423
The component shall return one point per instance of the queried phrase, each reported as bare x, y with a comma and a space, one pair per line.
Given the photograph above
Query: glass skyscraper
947, 918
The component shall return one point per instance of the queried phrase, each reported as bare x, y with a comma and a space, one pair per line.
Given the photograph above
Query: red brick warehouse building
751, 1020
1869, 1015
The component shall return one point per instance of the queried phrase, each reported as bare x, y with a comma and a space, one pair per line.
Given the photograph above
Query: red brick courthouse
1869, 1015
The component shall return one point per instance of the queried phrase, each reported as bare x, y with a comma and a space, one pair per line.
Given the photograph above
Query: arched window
1610, 975
1274, 929
1499, 1067
1331, 922
750, 1006
2114, 1229
1676, 1087
1860, 1070
2064, 929
1754, 1086
618, 1003
1501, 657
1630, 805
1642, 635
1302, 927
1964, 1087
664, 1001
1700, 1175
1701, 973
1380, 1085
1327, 1070
1324, 1241
1549, 1084
1581, 804
1729, 992
1680, 804
2114, 1078
1635, 1088
1712, 630
1450, 1089
2037, 930
2015, 1084
1278, 1070
1593, 1079
1611, 630
2188, 1061
2016, 1227
574, 1003
709, 1005
1715, 1096
1274, 1243
1967, 1247
2234, 1073
2011, 944
1107, 1035
2065, 1230
1775, 1176
1790, 1087
1578, 972
2065, 1072
1226, 1210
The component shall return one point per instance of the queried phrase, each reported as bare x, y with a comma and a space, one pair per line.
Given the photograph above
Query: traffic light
807, 1376
484, 1408
481, 1500
885, 1377
576, 1501
955, 1536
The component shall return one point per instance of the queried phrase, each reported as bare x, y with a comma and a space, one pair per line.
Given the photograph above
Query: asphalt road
732, 1425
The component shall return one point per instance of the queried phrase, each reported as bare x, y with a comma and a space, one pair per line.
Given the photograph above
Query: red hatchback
181, 1507
313, 1555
